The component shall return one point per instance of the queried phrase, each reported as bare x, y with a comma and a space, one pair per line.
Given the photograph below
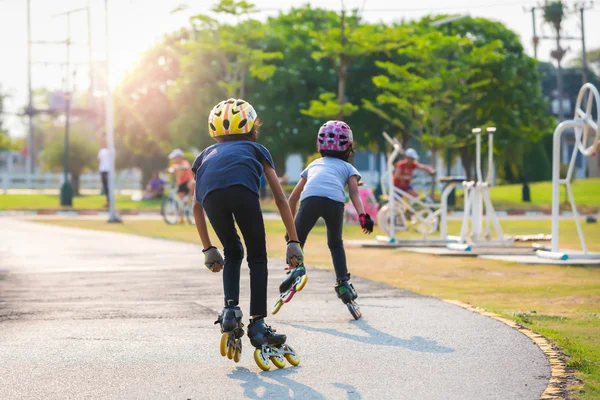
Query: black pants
104, 176
313, 208
221, 207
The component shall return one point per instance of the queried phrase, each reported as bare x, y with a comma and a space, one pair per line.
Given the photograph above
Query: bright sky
137, 24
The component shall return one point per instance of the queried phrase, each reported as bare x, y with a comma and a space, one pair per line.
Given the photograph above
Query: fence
126, 180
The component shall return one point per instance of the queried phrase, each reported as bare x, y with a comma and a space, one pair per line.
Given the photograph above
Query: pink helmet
335, 136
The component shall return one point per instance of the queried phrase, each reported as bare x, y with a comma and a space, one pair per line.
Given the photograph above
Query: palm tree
554, 14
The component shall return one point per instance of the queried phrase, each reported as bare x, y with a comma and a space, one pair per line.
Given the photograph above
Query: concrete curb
559, 374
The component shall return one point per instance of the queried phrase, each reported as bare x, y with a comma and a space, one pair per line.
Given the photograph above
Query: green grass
562, 303
86, 202
586, 192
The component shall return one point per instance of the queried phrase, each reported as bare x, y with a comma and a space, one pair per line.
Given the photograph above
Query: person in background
154, 187
104, 168
405, 169
183, 174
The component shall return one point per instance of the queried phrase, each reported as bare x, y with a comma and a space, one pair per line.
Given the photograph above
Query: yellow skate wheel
276, 307
279, 361
237, 355
230, 351
302, 283
261, 360
223, 346
292, 357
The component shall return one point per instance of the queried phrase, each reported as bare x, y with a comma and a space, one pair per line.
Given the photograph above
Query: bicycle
173, 209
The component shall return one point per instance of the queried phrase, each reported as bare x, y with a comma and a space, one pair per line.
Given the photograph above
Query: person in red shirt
183, 174
405, 169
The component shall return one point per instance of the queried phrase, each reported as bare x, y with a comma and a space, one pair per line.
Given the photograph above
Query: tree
443, 78
448, 85
144, 110
344, 46
554, 14
83, 150
230, 55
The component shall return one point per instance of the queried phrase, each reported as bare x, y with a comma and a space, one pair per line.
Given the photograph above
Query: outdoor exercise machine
479, 203
403, 211
583, 126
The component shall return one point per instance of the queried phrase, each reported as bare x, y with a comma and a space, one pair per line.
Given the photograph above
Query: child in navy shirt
227, 187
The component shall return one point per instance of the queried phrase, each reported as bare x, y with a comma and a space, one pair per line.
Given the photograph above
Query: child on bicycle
183, 174
227, 188
321, 194
403, 174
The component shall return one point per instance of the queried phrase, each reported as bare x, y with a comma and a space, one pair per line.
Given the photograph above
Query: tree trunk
147, 171
75, 179
342, 74
343, 66
467, 161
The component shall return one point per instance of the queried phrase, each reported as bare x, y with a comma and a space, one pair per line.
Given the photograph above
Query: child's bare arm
281, 201
427, 168
295, 196
354, 195
217, 263
366, 223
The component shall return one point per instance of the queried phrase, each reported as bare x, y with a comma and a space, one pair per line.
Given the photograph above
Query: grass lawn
586, 192
562, 303
86, 202
506, 197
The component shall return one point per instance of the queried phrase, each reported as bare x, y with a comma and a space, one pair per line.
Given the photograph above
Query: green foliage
144, 110
5, 141
327, 107
449, 84
82, 155
308, 65
554, 13
344, 46
537, 164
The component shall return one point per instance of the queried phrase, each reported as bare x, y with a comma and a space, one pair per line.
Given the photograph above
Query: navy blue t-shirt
230, 163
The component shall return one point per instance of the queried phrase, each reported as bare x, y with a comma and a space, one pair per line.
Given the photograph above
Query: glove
294, 252
366, 223
212, 258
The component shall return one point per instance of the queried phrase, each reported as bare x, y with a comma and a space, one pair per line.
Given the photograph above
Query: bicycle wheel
169, 210
189, 214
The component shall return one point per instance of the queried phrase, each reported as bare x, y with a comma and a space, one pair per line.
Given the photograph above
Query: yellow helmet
231, 117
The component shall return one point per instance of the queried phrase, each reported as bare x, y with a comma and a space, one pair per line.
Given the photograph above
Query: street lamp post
113, 217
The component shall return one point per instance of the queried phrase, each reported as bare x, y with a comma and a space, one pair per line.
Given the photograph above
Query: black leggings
313, 208
221, 207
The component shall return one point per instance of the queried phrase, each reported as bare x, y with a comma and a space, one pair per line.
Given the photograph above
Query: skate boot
232, 331
270, 346
346, 292
294, 282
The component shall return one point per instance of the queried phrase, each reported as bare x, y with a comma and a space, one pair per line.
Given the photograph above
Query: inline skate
294, 282
346, 292
270, 346
232, 331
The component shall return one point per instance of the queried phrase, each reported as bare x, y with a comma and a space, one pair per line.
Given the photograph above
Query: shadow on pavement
377, 337
255, 387
353, 394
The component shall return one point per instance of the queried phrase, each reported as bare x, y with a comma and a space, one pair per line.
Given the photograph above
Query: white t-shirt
104, 160
327, 177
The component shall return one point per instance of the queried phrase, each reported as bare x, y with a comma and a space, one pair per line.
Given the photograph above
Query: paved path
100, 315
